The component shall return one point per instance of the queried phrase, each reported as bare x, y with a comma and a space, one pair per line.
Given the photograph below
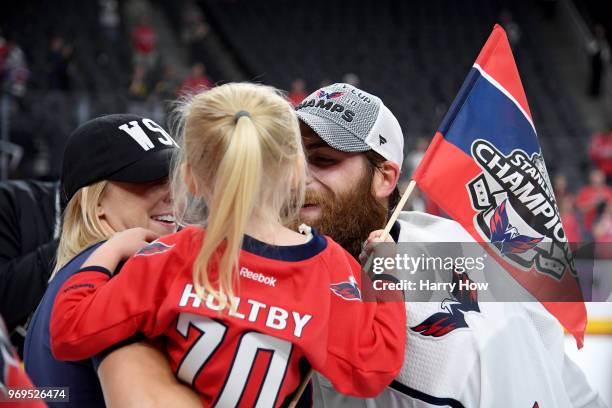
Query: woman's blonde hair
241, 143
81, 227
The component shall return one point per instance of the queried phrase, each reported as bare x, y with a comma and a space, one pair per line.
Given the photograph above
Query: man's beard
348, 217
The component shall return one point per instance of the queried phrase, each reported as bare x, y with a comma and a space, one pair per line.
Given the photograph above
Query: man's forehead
311, 139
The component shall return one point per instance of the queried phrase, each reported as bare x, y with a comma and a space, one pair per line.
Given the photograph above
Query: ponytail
236, 187
242, 148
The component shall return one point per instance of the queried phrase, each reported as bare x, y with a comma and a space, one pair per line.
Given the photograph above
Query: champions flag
484, 168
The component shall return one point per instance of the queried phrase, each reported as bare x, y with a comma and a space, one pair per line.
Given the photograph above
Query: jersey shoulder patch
154, 248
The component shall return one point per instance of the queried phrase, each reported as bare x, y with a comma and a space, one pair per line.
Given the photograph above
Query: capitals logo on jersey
516, 210
453, 317
155, 247
347, 290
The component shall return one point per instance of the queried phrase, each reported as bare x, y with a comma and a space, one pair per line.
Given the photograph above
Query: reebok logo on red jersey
257, 277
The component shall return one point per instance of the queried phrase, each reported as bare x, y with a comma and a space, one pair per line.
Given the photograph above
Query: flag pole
398, 209
300, 390
384, 235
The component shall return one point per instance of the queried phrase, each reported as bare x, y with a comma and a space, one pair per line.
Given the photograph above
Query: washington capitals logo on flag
516, 210
154, 248
461, 302
329, 95
347, 290
506, 237
484, 167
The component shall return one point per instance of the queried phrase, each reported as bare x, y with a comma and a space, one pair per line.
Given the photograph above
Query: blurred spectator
593, 197
351, 79
3, 54
29, 227
194, 28
298, 91
415, 202
602, 228
143, 42
325, 82
58, 65
602, 233
109, 19
196, 81
165, 88
414, 157
138, 89
569, 218
599, 50
513, 30
560, 187
13, 376
600, 152
191, 14
15, 69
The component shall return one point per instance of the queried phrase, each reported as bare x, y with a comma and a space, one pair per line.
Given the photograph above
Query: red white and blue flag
484, 167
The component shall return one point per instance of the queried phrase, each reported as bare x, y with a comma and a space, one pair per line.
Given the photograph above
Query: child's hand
368, 245
120, 246
375, 237
126, 243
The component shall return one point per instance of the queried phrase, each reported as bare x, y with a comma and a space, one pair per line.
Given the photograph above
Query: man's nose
309, 178
166, 192
312, 175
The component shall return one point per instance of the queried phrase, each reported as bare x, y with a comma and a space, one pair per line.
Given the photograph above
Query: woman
114, 177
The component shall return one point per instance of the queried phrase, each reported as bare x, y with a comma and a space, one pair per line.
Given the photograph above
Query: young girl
246, 305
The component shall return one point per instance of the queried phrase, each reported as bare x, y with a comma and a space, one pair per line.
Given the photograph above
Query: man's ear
188, 179
385, 179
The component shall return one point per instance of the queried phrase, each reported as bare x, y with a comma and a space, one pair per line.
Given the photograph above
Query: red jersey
294, 303
589, 198
143, 39
194, 84
600, 152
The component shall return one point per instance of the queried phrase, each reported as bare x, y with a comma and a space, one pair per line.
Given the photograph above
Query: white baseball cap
351, 120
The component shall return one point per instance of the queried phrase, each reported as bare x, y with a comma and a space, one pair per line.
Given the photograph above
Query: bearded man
506, 354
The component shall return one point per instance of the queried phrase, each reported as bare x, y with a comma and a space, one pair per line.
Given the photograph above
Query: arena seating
414, 55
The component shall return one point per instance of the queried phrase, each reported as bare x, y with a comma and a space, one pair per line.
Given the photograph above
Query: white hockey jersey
509, 355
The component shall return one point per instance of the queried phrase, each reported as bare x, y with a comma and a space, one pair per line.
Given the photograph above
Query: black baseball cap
119, 147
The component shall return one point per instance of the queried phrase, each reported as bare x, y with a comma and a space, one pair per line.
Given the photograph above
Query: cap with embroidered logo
118, 147
351, 120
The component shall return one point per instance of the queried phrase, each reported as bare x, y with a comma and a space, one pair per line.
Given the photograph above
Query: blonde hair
246, 166
81, 227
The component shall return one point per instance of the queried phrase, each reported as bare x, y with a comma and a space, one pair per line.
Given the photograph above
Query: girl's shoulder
184, 240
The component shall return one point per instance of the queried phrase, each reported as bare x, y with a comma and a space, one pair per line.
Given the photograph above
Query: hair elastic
240, 114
